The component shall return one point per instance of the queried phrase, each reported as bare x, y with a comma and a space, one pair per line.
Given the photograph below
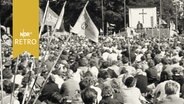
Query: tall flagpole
55, 28
44, 83
27, 84
176, 16
1, 68
160, 21
125, 14
43, 21
16, 67
102, 17
126, 32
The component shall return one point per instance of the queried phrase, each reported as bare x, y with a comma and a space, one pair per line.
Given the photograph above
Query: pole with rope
44, 17
27, 84
126, 32
1, 68
51, 70
102, 17
16, 68
160, 23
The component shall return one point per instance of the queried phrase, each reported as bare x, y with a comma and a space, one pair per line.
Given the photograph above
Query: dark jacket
48, 90
152, 75
142, 82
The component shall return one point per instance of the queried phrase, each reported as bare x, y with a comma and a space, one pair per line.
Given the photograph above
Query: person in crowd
152, 72
89, 96
84, 69
117, 87
132, 92
90, 82
172, 90
142, 80
70, 87
107, 96
8, 89
131, 70
48, 90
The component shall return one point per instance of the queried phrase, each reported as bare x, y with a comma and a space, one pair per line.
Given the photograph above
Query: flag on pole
41, 16
129, 32
60, 21
162, 22
44, 18
114, 34
51, 17
1, 70
85, 26
101, 31
172, 29
71, 28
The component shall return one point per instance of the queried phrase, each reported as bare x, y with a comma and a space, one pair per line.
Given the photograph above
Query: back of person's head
157, 60
92, 63
181, 63
151, 63
165, 61
104, 65
115, 85
7, 73
172, 87
74, 66
130, 82
25, 80
89, 96
125, 60
8, 86
123, 70
175, 60
138, 66
86, 82
143, 58
107, 91
88, 74
83, 62
181, 53
103, 74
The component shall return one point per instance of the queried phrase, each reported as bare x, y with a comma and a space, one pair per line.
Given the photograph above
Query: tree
113, 10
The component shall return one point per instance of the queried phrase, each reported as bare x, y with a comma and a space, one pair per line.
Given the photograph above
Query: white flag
51, 17
85, 26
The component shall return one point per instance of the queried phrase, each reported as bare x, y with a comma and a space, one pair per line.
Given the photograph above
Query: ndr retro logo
25, 39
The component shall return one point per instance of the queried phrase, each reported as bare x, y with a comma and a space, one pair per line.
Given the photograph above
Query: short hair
8, 86
7, 73
165, 61
89, 96
115, 85
172, 87
151, 63
86, 82
103, 74
107, 91
143, 58
125, 60
130, 82
175, 60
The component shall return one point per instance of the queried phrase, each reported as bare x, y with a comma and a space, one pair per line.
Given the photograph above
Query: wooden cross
143, 13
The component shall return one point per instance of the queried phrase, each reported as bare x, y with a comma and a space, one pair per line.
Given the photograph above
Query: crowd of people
117, 70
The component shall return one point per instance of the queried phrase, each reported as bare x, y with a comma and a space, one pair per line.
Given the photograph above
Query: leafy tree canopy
113, 10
